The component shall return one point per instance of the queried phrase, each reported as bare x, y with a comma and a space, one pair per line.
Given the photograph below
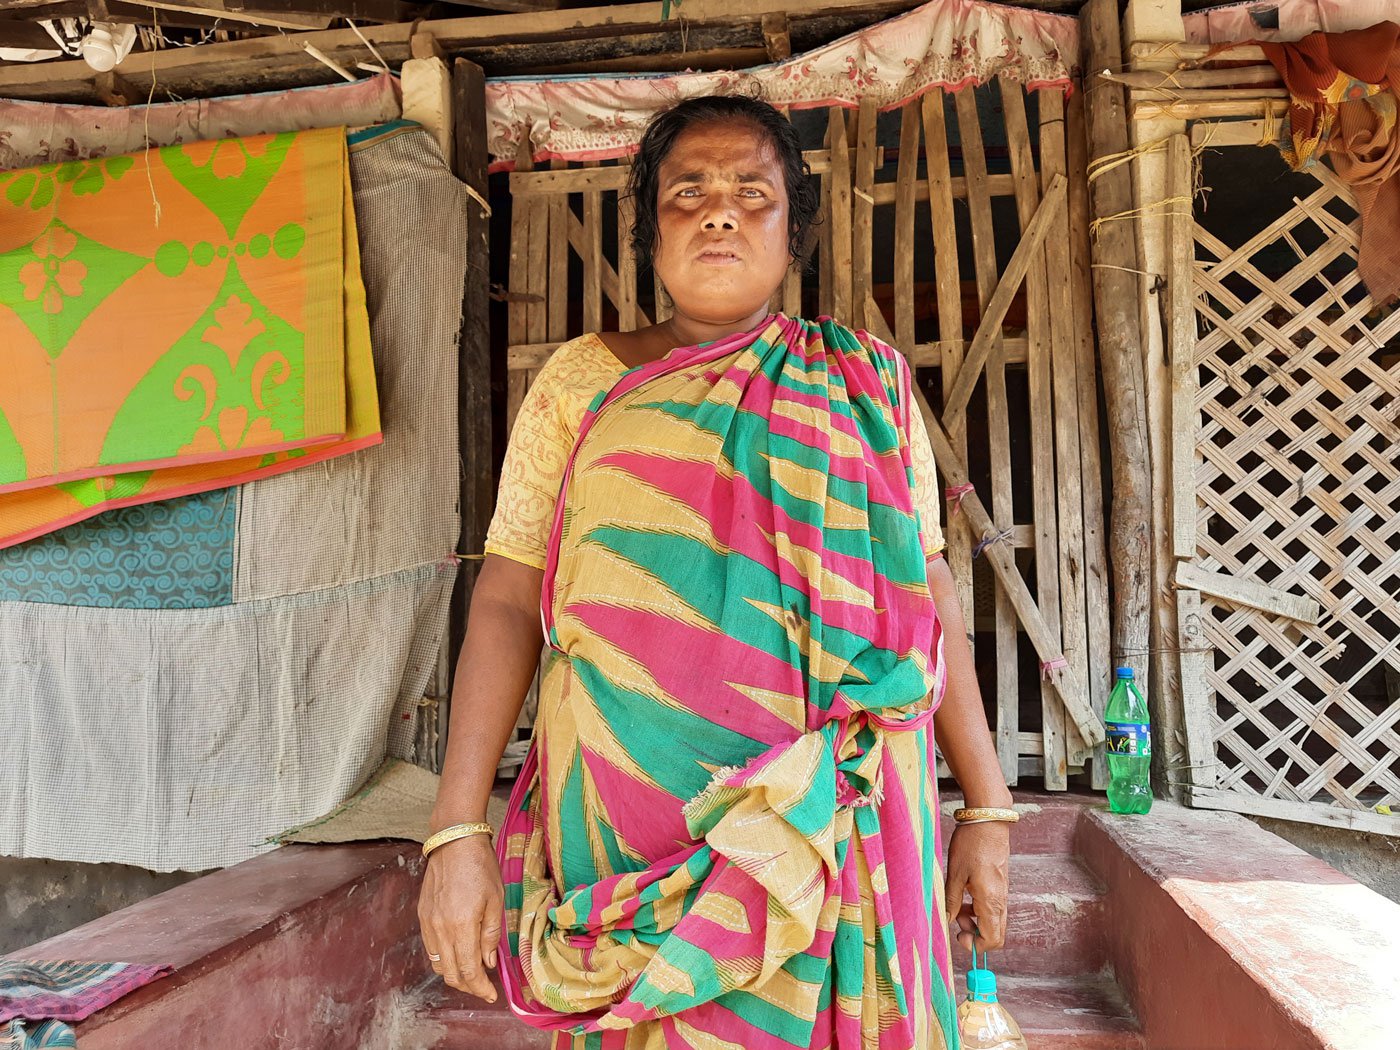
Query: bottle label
1129, 739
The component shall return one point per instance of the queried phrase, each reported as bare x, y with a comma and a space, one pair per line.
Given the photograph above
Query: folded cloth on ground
176, 321
67, 991
46, 1035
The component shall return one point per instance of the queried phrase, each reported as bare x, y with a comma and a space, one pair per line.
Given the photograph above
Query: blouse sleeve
925, 484
540, 443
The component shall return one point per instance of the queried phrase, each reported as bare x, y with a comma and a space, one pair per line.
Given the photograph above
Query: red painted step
1054, 920
482, 1027
1087, 1012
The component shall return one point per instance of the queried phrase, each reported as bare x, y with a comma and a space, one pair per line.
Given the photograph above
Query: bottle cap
1124, 672
982, 986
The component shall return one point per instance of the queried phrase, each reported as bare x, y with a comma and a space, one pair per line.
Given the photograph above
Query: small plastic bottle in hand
983, 1023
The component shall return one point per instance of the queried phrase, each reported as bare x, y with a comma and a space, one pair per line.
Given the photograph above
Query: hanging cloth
1343, 88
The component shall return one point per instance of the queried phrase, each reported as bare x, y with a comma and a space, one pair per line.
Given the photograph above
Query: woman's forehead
723, 149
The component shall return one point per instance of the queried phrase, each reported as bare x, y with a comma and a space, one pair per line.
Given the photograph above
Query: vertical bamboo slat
537, 279
863, 213
1097, 629
984, 257
1038, 340
592, 255
826, 283
1068, 482
840, 218
626, 268
906, 179
558, 295
517, 312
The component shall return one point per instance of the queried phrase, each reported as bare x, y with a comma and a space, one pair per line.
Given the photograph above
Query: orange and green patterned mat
175, 321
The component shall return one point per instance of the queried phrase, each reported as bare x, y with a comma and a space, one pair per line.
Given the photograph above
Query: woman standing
725, 833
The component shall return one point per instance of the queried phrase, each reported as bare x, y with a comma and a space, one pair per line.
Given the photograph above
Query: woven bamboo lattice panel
921, 213
1297, 483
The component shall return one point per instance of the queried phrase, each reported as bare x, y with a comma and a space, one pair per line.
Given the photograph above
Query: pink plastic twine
956, 494
1049, 666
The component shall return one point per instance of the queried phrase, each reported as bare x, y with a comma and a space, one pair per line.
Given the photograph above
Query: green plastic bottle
1129, 747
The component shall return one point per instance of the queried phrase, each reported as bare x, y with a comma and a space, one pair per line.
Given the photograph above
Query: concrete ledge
1226, 936
300, 947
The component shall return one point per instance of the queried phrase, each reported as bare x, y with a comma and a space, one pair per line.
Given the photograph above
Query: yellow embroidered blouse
543, 437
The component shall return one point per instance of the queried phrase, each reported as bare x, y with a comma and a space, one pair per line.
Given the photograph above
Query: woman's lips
717, 257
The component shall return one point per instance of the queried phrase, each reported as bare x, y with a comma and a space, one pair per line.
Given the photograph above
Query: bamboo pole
1115, 262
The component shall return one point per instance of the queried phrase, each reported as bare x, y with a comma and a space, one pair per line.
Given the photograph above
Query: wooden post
1115, 262
1158, 23
474, 354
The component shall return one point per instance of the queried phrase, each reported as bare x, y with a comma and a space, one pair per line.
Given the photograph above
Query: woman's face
722, 222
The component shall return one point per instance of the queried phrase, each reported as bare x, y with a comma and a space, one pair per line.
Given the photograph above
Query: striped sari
726, 832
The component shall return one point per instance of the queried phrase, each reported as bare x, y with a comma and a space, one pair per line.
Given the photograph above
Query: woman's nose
719, 217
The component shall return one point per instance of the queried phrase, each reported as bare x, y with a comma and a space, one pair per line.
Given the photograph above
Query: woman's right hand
460, 909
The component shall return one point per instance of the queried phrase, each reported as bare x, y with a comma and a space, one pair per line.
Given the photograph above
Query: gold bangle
970, 815
455, 832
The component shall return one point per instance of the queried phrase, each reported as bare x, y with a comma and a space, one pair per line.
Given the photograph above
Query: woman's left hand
978, 864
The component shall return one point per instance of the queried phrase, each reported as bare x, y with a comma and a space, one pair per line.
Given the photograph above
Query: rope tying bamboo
955, 496
988, 540
1137, 213
1103, 165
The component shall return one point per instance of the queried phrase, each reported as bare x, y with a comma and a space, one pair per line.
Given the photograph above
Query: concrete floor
1372, 860
42, 898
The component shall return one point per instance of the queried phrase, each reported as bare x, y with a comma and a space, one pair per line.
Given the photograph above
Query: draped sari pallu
726, 830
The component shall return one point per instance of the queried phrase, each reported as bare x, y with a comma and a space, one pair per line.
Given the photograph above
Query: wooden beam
777, 38
477, 486
218, 9
490, 40
1114, 268
1026, 252
1210, 134
1173, 80
1187, 55
1071, 689
1249, 593
1253, 106
517, 6
664, 61
121, 13
1287, 809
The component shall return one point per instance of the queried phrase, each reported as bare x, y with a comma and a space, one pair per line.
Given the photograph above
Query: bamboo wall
910, 246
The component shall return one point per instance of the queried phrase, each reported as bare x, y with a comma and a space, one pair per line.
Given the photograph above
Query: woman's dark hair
667, 126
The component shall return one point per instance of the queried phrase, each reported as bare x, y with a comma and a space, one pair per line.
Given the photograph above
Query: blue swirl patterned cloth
175, 554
